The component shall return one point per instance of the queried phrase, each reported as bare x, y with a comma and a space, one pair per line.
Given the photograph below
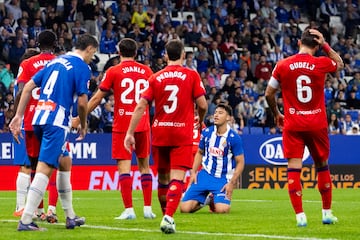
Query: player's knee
186, 207
222, 208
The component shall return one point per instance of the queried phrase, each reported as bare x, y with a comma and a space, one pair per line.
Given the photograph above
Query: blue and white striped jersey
220, 152
61, 81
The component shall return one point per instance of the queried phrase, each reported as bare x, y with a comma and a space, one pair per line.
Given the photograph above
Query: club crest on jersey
121, 112
292, 110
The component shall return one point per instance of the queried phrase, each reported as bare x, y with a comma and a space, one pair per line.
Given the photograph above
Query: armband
326, 48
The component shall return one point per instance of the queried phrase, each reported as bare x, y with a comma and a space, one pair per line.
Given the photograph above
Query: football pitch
255, 214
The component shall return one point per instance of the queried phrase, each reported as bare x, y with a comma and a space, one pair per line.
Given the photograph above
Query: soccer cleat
74, 222
29, 227
167, 225
51, 217
301, 220
18, 213
210, 201
127, 215
329, 218
148, 214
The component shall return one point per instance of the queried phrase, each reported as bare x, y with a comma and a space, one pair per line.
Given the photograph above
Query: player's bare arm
229, 187
129, 141
270, 94
202, 108
15, 124
327, 49
82, 111
195, 167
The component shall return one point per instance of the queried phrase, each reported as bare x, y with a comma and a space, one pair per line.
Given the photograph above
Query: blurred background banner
265, 166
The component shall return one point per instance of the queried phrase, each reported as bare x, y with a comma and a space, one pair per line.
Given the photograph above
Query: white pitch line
194, 233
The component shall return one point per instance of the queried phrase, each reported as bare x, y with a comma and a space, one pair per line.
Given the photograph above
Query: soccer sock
53, 193
22, 186
36, 193
295, 189
325, 186
146, 185
162, 191
65, 192
173, 196
126, 189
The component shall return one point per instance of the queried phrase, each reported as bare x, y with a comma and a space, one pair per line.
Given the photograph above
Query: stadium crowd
234, 45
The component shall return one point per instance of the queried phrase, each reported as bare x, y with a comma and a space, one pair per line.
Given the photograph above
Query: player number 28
304, 92
139, 86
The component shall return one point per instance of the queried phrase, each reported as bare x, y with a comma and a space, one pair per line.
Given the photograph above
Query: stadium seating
256, 130
246, 131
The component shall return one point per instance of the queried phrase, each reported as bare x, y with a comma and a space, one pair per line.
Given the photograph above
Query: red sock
173, 196
325, 186
126, 189
146, 185
295, 189
53, 193
162, 191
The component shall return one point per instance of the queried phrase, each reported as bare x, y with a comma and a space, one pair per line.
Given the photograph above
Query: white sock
52, 208
36, 193
22, 187
63, 185
326, 212
147, 209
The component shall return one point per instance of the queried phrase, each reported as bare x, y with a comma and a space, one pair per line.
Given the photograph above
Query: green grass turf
255, 214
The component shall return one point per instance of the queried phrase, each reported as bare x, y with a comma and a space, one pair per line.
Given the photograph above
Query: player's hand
279, 119
320, 38
75, 124
15, 125
193, 178
82, 132
228, 189
129, 143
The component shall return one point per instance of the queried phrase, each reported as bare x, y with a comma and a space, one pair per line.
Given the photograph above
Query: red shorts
142, 145
166, 158
317, 142
32, 144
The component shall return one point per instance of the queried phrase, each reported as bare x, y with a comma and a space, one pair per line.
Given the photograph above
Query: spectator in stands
235, 98
124, 16
214, 78
263, 69
352, 102
17, 49
245, 110
327, 9
216, 56
107, 115
230, 64
282, 14
294, 14
354, 130
140, 17
334, 125
108, 43
13, 8
347, 124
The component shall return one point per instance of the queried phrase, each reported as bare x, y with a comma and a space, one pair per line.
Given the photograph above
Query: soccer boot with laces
127, 214
329, 218
29, 227
167, 225
148, 214
301, 220
74, 222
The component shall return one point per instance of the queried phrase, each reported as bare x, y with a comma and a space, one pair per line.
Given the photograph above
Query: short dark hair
127, 47
47, 39
174, 49
86, 40
226, 107
308, 39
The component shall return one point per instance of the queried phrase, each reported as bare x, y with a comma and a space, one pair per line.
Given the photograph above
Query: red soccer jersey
174, 90
128, 80
302, 81
28, 68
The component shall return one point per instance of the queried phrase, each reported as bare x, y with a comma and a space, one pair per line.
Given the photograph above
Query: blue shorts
206, 184
53, 143
20, 155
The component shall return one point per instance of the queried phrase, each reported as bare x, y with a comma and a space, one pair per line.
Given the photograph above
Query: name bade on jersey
133, 69
40, 63
305, 65
62, 61
174, 74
